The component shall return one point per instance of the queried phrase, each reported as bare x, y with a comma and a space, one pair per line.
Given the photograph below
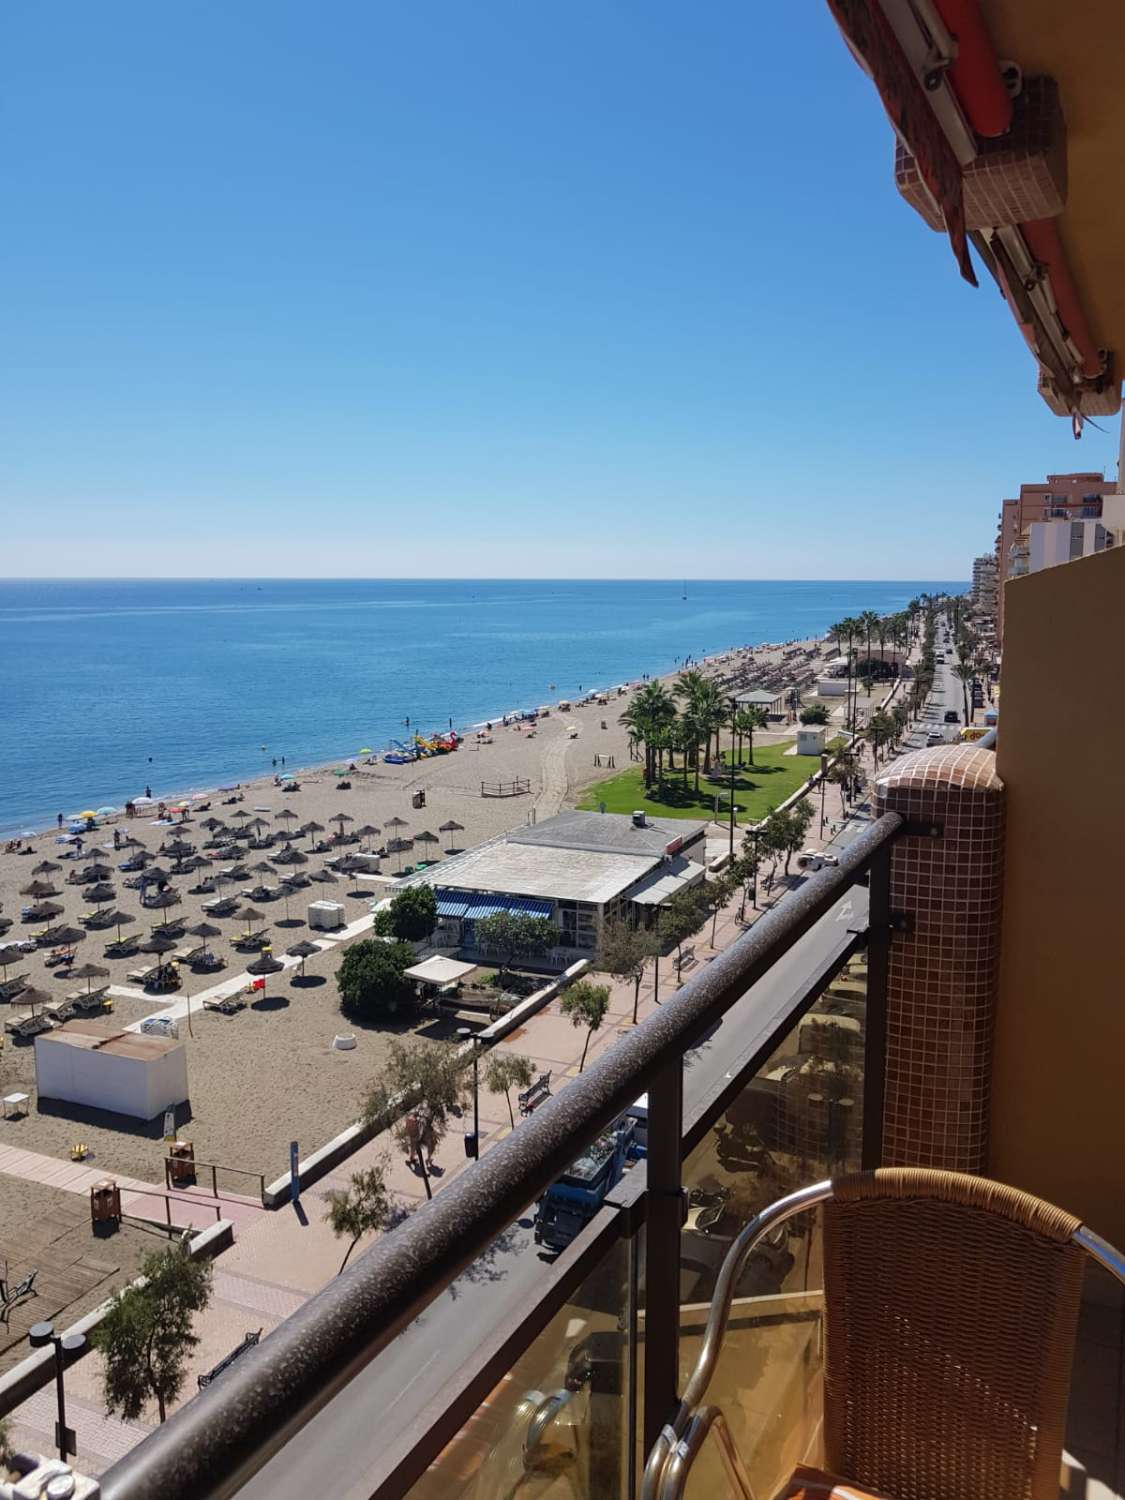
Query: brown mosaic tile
943, 973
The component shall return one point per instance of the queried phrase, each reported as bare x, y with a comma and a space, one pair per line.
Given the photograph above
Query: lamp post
733, 713
472, 1142
39, 1335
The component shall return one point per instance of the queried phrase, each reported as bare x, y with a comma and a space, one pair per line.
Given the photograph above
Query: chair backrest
951, 1310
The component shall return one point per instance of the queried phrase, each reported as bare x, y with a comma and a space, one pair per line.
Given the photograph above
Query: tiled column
941, 991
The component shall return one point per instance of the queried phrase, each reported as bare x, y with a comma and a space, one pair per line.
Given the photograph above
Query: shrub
371, 980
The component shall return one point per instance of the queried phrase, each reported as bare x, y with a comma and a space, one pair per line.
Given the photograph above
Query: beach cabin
811, 739
578, 870
96, 1064
766, 698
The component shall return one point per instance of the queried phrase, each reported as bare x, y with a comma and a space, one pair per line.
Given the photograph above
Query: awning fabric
477, 905
439, 970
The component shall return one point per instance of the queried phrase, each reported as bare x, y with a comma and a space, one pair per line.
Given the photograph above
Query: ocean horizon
109, 685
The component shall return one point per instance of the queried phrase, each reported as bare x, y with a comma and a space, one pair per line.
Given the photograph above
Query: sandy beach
270, 1074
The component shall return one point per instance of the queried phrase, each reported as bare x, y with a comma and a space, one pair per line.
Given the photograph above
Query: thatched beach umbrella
249, 915
158, 943
62, 937
241, 816
162, 901
34, 997
312, 829
10, 955
324, 877
263, 965
98, 870
89, 972
399, 847
341, 819
302, 950
263, 867
368, 831
44, 911
451, 827
45, 867
5, 924
266, 964
156, 874
396, 822
426, 838
39, 890
291, 856
206, 931
101, 894
286, 815
118, 919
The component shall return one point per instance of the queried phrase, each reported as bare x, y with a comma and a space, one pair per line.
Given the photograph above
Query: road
357, 1431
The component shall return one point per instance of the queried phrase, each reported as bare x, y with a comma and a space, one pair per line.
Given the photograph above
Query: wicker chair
951, 1305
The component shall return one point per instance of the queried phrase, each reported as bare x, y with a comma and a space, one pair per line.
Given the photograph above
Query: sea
109, 686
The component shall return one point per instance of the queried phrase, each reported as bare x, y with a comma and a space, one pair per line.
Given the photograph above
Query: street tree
623, 952
720, 890
585, 1004
146, 1335
414, 913
419, 1088
682, 916
363, 1207
505, 1071
965, 674
515, 935
372, 979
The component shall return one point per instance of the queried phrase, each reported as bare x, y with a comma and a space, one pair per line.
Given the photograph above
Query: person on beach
60, 820
148, 792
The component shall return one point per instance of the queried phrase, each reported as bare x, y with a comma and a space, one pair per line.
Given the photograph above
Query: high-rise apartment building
984, 584
1063, 497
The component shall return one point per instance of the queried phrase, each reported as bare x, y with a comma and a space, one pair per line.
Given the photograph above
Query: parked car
934, 739
952, 716
816, 859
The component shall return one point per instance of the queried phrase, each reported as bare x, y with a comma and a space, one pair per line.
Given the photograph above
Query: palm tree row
689, 720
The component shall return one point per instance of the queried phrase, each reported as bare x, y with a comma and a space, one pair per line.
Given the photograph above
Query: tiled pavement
281, 1258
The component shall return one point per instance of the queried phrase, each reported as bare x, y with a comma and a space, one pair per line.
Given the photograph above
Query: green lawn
757, 789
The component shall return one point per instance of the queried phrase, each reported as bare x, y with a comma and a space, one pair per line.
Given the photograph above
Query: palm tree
845, 632
746, 721
964, 674
868, 622
648, 718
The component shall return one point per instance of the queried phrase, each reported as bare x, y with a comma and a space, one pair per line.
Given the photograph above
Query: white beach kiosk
97, 1064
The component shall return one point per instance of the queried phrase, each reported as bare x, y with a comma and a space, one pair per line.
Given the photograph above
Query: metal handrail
679, 1443
223, 1436
660, 1470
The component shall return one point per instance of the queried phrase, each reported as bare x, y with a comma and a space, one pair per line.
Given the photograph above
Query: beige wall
1058, 1124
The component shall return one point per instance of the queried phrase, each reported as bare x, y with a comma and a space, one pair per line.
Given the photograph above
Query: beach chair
12, 987
29, 1026
228, 1005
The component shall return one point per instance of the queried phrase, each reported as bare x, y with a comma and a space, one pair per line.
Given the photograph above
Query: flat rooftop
100, 1036
607, 833
519, 869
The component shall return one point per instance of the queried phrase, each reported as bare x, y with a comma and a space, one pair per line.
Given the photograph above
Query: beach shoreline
33, 827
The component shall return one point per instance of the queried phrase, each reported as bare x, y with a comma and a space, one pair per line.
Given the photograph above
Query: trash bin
418, 799
105, 1202
472, 1147
181, 1163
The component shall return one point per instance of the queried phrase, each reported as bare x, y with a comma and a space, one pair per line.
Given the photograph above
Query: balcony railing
763, 1072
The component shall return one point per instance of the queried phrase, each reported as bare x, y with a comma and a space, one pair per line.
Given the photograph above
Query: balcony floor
1094, 1467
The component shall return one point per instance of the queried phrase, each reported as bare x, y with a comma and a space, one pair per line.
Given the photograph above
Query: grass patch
757, 788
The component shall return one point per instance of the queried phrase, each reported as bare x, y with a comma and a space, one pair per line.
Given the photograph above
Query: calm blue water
107, 686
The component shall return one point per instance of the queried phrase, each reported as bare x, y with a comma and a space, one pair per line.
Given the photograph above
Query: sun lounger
251, 939
29, 1026
227, 1005
12, 987
92, 1000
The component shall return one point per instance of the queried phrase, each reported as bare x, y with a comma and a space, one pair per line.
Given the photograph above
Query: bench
224, 1364
685, 959
531, 1098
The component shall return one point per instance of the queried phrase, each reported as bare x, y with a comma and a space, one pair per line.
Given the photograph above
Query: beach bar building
95, 1063
579, 869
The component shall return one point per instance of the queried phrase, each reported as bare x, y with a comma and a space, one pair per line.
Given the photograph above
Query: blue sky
498, 289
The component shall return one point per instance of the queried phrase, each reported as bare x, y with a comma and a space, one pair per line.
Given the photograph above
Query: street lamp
69, 1347
472, 1142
